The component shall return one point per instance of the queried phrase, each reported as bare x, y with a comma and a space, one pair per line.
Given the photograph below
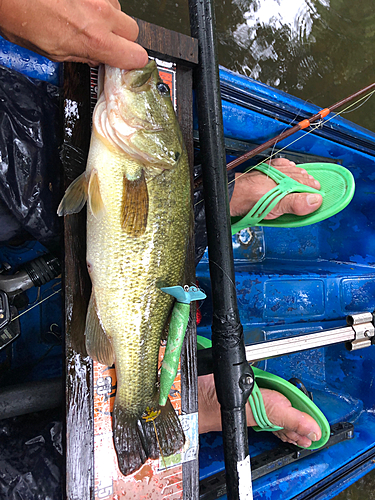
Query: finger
120, 53
80, 59
125, 26
115, 4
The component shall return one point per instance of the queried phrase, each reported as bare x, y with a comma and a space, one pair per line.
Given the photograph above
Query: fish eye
163, 88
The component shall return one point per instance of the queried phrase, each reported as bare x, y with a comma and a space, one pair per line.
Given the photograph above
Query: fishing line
37, 304
225, 274
313, 128
297, 114
355, 109
150, 416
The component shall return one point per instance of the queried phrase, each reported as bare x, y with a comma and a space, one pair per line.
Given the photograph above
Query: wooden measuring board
91, 462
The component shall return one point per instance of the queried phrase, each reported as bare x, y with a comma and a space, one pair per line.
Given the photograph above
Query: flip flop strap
285, 186
259, 412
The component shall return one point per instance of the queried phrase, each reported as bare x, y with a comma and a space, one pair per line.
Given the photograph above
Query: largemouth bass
137, 189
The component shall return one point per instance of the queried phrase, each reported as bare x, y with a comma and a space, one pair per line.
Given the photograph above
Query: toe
298, 204
298, 174
300, 423
293, 438
282, 163
298, 427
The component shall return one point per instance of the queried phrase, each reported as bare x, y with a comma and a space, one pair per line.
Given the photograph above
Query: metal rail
358, 334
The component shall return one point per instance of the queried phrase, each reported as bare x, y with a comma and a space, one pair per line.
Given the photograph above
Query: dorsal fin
134, 210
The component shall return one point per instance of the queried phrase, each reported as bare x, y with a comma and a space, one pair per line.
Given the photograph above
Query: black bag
29, 158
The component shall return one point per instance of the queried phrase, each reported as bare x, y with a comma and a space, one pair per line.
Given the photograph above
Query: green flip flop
298, 399
336, 186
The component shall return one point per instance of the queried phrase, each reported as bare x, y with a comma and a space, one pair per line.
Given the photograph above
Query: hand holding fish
88, 31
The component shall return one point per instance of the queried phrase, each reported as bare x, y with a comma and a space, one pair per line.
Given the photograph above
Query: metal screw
247, 379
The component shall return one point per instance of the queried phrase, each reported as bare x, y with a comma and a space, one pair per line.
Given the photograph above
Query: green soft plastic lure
177, 328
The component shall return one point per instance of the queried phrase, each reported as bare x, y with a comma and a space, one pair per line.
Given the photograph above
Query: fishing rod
234, 378
287, 133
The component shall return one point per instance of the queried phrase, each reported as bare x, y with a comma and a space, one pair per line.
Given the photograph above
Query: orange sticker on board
169, 77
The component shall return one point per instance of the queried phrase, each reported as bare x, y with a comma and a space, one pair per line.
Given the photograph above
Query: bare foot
299, 427
250, 187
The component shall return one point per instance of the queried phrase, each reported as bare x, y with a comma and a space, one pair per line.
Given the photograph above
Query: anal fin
98, 345
134, 209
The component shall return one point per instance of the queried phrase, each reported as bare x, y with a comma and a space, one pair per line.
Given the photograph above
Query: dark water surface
318, 50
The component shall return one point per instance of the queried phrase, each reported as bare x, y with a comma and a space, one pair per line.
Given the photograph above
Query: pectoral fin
98, 345
75, 196
134, 206
94, 197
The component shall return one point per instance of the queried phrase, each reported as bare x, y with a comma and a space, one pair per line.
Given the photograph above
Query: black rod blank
233, 375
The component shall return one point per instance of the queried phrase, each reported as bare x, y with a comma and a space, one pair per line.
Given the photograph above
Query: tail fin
126, 436
136, 440
169, 434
